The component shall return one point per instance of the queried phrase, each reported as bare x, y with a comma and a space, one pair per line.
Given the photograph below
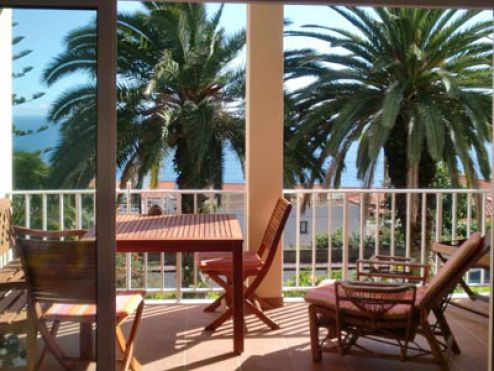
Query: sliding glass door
58, 152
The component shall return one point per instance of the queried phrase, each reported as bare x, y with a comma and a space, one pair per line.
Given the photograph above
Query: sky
44, 32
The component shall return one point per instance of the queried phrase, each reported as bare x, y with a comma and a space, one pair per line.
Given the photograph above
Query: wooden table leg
238, 307
86, 341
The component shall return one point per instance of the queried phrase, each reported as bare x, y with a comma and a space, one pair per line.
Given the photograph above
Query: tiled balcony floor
172, 338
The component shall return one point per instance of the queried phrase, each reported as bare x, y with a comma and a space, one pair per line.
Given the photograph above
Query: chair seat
222, 262
125, 305
325, 296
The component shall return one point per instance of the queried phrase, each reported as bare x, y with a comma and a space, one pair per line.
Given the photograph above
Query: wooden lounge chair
256, 265
390, 313
61, 286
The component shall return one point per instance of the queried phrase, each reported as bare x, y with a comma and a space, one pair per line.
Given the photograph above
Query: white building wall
5, 101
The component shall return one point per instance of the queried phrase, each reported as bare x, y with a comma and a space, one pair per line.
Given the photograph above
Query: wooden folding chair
61, 286
350, 314
256, 265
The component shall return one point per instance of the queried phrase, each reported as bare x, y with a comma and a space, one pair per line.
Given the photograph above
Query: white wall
5, 101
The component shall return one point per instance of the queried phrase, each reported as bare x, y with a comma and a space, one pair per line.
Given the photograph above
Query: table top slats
176, 233
177, 227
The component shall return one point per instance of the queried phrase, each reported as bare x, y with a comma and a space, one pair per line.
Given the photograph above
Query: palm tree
414, 84
177, 91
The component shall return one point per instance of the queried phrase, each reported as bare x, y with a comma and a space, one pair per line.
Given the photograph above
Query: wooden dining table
188, 233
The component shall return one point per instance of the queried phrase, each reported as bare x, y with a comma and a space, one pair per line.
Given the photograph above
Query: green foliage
30, 171
424, 73
322, 240
16, 99
173, 91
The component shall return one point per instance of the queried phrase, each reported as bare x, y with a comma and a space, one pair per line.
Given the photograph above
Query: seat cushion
125, 305
325, 296
221, 262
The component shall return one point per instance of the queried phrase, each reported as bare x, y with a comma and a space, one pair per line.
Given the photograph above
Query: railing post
454, 217
27, 207
423, 228
362, 226
345, 251
469, 214
393, 224
61, 212
196, 273
408, 224
44, 211
313, 236
377, 221
78, 210
330, 237
297, 240
178, 262
128, 206
439, 225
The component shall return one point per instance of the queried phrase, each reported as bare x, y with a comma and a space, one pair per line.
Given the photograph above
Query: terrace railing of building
327, 231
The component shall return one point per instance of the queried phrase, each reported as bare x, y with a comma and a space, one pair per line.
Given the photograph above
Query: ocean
45, 140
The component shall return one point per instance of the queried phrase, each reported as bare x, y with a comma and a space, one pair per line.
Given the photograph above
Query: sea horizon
232, 169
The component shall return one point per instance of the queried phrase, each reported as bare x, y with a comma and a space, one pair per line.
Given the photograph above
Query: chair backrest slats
375, 298
5, 226
275, 226
271, 239
64, 272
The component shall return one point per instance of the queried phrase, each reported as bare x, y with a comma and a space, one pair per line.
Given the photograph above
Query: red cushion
325, 296
222, 262
126, 305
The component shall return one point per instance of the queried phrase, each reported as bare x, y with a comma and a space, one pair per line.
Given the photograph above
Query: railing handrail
231, 191
124, 191
387, 190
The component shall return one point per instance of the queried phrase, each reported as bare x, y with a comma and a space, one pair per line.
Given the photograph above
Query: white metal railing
152, 272
368, 218
326, 231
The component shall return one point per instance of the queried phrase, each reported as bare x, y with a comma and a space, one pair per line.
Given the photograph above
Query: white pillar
264, 139
5, 101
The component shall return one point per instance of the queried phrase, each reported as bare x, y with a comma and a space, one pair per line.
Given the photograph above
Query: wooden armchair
61, 286
351, 311
256, 265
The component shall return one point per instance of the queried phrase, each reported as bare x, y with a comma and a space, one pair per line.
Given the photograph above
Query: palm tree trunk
418, 176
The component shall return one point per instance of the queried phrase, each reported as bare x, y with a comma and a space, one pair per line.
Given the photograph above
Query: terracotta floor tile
172, 338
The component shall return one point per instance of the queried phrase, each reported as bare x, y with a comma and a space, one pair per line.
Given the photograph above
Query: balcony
327, 232
172, 335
